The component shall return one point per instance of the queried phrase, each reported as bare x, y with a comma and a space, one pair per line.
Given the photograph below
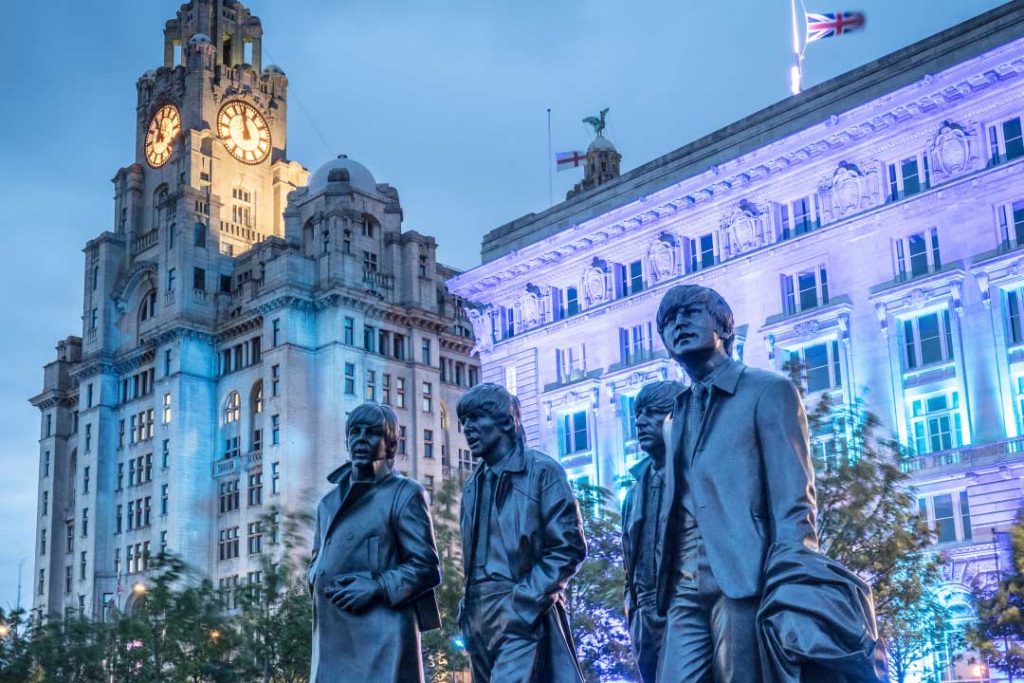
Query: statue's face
366, 443
649, 421
483, 432
691, 331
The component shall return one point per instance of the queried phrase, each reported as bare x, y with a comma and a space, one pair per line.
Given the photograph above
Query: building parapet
964, 456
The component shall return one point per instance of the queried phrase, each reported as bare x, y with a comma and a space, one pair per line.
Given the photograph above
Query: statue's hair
372, 412
681, 296
494, 400
659, 396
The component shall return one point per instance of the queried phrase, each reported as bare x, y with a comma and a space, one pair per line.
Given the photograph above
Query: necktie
483, 530
694, 417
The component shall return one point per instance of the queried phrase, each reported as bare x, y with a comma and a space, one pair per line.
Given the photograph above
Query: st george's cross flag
567, 160
829, 24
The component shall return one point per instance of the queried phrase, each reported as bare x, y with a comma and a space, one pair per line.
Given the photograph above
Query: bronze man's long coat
386, 534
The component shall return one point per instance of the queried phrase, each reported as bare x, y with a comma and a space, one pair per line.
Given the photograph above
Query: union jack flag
830, 24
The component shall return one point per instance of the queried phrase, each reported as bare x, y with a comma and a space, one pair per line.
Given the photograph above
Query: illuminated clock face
163, 131
244, 132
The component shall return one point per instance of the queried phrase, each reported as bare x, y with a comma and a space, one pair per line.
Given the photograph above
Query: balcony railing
143, 242
253, 459
964, 455
378, 283
223, 468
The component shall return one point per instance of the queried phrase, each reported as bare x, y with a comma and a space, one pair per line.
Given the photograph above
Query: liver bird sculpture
597, 123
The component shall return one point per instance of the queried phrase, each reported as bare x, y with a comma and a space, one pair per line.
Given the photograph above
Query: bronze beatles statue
739, 588
374, 562
522, 540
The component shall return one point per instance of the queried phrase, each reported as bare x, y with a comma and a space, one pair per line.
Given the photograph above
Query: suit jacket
385, 533
542, 533
751, 478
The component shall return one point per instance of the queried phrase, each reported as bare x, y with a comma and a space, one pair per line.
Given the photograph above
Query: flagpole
551, 192
795, 71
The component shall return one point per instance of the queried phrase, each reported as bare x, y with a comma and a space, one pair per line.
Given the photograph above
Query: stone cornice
619, 214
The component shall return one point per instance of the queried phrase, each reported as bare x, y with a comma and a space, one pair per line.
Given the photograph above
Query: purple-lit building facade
871, 227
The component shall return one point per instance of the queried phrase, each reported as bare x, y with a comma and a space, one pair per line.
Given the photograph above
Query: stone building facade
233, 315
871, 228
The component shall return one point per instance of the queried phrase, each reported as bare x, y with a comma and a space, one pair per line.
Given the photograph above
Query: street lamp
139, 588
5, 630
215, 635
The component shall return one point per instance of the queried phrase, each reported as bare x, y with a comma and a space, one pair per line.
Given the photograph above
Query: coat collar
513, 462
724, 378
382, 469
641, 467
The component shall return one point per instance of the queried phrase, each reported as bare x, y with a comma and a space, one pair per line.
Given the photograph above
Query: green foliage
868, 520
178, 630
443, 653
998, 633
595, 595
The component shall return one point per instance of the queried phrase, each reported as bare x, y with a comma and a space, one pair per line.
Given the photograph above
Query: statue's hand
353, 593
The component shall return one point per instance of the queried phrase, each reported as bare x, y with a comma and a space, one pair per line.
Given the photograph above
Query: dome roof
343, 170
199, 38
601, 143
273, 69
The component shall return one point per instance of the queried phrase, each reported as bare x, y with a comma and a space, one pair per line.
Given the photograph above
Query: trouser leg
733, 625
687, 650
647, 629
497, 653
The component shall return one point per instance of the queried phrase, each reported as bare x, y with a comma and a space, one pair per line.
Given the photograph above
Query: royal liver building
871, 228
233, 314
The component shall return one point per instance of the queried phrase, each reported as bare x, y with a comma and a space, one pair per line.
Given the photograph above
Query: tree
595, 595
274, 623
15, 653
444, 653
69, 651
868, 520
998, 633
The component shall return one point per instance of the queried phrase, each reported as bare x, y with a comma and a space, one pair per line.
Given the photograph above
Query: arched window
199, 235
72, 478
233, 408
172, 235
147, 309
307, 238
159, 208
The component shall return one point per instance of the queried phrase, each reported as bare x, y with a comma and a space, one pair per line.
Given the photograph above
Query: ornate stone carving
843, 320
529, 306
595, 282
745, 228
848, 191
916, 299
982, 278
951, 150
807, 329
661, 258
483, 328
883, 317
956, 292
769, 342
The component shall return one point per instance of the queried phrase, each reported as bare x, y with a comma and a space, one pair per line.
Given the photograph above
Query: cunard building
871, 228
235, 311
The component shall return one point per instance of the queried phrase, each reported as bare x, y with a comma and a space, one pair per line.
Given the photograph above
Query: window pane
965, 516
707, 251
931, 341
579, 428
816, 358
908, 344
944, 526
911, 180
1014, 141
808, 287
918, 255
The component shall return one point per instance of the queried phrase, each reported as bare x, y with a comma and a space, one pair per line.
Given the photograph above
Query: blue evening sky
444, 100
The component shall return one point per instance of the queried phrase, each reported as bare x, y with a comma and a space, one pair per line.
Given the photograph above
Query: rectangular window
572, 301
575, 437
428, 397
349, 331
371, 385
428, 443
117, 520
165, 454
46, 463
275, 331
936, 422
255, 489
350, 379
88, 438
571, 363
93, 318
1011, 224
820, 366
425, 352
171, 277
385, 389
88, 395
399, 392
917, 254
46, 503
275, 478
804, 290
85, 522
401, 440
703, 249
275, 379
369, 262
167, 408
255, 538
628, 410
164, 498
927, 339
199, 279
945, 525
275, 429
1006, 141
908, 176
82, 564
398, 347
636, 277
85, 479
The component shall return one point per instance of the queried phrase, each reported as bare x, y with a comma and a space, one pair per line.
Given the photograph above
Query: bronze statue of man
640, 532
522, 540
738, 480
375, 563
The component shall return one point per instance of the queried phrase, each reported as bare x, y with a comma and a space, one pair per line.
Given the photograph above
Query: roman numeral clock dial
244, 132
164, 128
